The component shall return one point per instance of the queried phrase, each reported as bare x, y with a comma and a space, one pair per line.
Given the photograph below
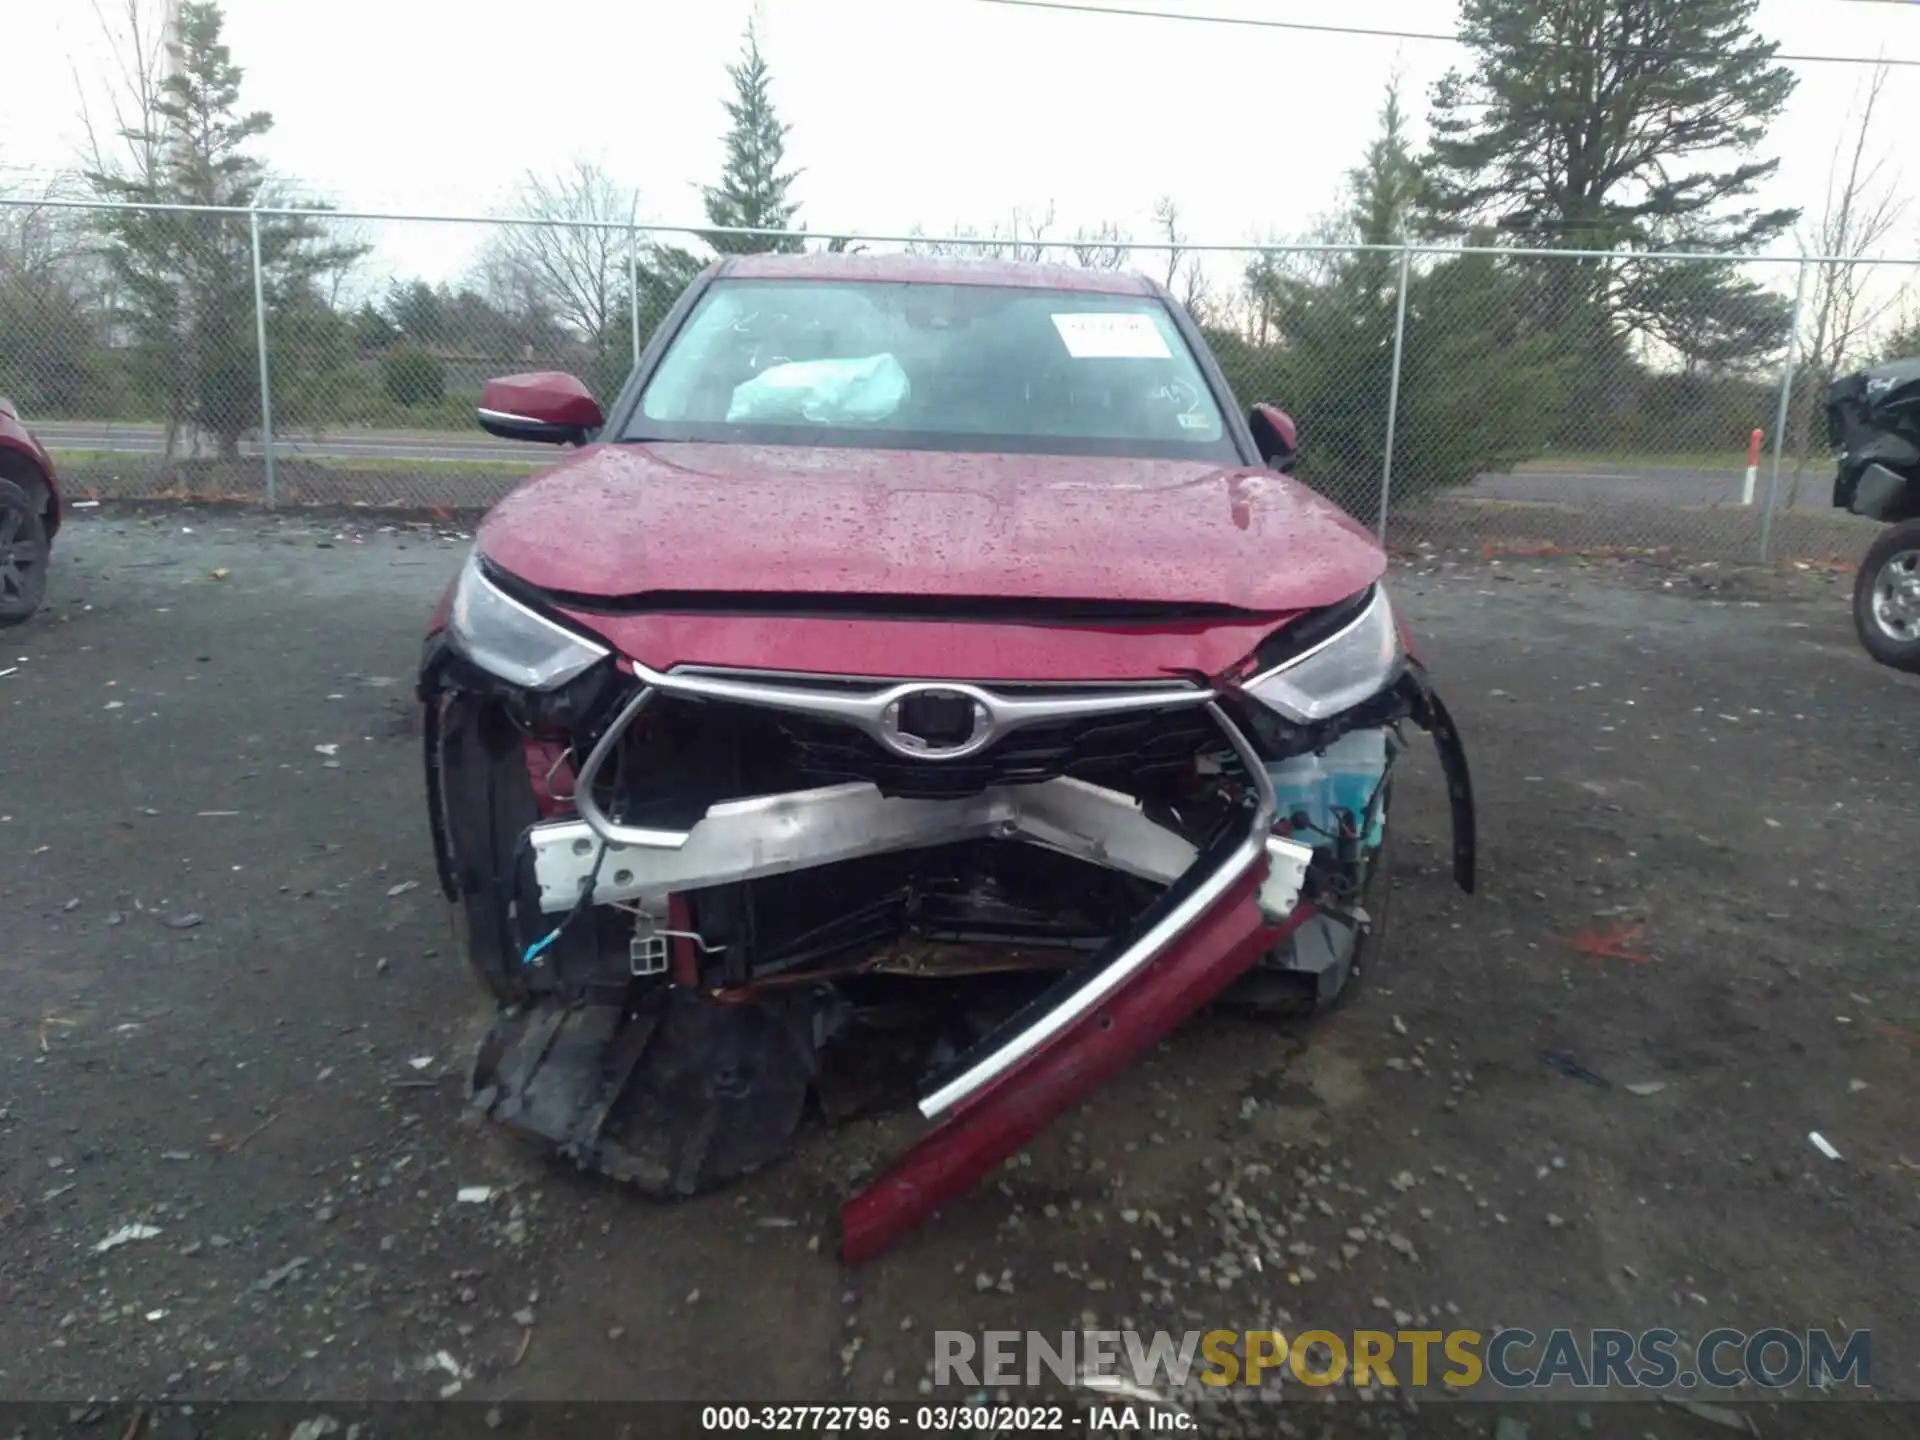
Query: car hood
679, 520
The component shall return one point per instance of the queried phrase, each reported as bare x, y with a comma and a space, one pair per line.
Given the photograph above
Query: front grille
1116, 750
686, 753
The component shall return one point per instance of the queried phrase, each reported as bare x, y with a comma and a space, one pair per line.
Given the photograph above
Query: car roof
936, 270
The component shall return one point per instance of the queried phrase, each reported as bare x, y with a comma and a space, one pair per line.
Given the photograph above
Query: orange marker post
1753, 468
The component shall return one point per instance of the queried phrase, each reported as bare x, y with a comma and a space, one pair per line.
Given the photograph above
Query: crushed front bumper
1224, 905
608, 863
776, 834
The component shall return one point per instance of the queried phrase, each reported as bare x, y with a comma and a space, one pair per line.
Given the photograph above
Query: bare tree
136, 46
1280, 273
1862, 208
1034, 247
49, 309
1105, 247
336, 284
575, 267
133, 148
1186, 276
1023, 238
511, 291
130, 139
1166, 219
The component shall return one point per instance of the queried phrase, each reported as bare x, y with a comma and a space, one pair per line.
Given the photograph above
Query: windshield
892, 365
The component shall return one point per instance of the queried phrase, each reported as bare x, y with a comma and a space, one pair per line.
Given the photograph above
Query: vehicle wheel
23, 555
487, 802
1886, 598
1280, 985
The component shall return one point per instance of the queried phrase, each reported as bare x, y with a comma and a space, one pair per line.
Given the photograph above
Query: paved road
347, 444
1644, 485
1599, 485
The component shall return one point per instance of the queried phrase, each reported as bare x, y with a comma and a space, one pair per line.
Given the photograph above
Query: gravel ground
234, 1018
1603, 527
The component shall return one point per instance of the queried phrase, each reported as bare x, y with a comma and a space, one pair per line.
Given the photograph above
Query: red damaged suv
920, 681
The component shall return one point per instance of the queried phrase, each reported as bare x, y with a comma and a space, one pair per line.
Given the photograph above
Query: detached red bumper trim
1219, 947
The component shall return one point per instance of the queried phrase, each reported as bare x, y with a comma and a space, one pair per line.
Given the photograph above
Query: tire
1886, 598
24, 554
487, 803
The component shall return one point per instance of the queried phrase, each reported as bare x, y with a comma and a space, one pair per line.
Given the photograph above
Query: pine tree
1384, 190
185, 280
1622, 126
1387, 185
1478, 388
1608, 123
752, 193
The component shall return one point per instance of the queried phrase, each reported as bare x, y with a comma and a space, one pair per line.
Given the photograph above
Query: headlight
508, 639
1353, 664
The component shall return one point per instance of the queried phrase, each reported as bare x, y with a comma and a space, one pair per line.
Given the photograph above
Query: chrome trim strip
613, 835
507, 417
1018, 1047
816, 679
777, 834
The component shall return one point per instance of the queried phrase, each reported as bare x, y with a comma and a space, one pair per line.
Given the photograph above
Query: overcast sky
903, 112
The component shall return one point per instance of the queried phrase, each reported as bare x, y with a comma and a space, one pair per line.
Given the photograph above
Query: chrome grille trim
865, 708
1008, 706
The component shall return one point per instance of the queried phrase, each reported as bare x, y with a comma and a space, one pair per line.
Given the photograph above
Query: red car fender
18, 441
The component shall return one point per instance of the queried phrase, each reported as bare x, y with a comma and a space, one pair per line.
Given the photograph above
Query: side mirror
546, 406
1275, 436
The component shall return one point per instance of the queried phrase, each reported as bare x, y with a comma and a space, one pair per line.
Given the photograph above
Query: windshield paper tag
1105, 335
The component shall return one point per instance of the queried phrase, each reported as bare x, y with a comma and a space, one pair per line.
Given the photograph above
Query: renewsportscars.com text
1512, 1359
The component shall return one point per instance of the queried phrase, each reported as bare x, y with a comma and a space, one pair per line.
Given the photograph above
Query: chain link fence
1488, 400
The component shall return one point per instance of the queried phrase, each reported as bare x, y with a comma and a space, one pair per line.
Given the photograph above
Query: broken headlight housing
1331, 661
511, 640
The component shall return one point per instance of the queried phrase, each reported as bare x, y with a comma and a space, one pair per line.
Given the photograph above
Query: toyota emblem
936, 724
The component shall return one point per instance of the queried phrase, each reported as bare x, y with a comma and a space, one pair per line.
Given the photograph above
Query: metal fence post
633, 288
1780, 414
1393, 388
260, 339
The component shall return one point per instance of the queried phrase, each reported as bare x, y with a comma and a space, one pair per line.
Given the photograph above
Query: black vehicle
1873, 423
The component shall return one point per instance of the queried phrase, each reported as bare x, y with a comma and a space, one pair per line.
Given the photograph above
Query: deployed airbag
825, 392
